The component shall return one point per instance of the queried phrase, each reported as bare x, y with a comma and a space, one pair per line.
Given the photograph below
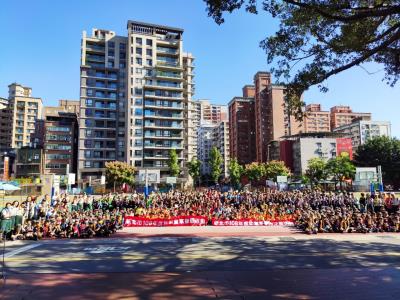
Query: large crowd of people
313, 211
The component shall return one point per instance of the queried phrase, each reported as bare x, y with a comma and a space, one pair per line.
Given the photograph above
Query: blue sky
41, 49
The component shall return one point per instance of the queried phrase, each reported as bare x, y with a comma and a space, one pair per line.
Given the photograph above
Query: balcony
170, 105
164, 94
163, 137
168, 65
162, 146
162, 126
168, 51
95, 58
163, 116
95, 48
158, 85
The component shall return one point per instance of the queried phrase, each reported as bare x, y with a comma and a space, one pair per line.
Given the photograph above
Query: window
139, 70
139, 41
139, 61
88, 112
138, 163
138, 143
138, 112
88, 164
89, 92
122, 46
138, 132
138, 80
149, 52
138, 101
149, 42
138, 122
111, 53
139, 50
149, 62
138, 91
88, 132
110, 64
88, 153
89, 102
111, 44
138, 152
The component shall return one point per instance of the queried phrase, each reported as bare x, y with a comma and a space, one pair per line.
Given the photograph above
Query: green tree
194, 169
318, 39
341, 168
275, 168
215, 163
254, 171
173, 163
235, 172
316, 170
118, 172
383, 151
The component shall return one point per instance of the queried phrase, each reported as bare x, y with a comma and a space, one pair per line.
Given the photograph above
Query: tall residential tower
135, 99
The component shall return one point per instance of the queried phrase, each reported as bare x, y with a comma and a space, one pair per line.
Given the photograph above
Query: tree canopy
118, 172
215, 163
383, 151
194, 168
173, 163
341, 168
320, 38
235, 172
316, 170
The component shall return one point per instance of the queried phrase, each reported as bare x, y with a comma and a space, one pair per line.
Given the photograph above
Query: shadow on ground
237, 268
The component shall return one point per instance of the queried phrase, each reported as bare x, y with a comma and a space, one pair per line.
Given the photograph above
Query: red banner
250, 222
159, 222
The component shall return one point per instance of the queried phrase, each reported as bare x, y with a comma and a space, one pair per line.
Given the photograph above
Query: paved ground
191, 263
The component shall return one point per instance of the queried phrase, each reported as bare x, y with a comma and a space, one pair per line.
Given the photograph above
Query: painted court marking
20, 250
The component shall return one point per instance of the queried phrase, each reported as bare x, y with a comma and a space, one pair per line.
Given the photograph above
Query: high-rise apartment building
213, 135
103, 102
135, 95
221, 142
22, 112
57, 134
316, 120
343, 115
5, 124
361, 131
211, 113
242, 128
271, 119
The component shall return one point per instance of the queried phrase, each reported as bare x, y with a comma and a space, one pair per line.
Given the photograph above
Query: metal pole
68, 185
146, 182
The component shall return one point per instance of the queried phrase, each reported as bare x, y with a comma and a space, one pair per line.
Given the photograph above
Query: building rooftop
314, 135
155, 26
241, 99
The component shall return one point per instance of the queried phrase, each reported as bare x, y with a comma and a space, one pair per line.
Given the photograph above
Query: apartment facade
21, 114
361, 131
103, 102
242, 128
343, 115
205, 141
221, 142
135, 95
316, 120
209, 136
271, 118
61, 138
211, 113
298, 149
5, 124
